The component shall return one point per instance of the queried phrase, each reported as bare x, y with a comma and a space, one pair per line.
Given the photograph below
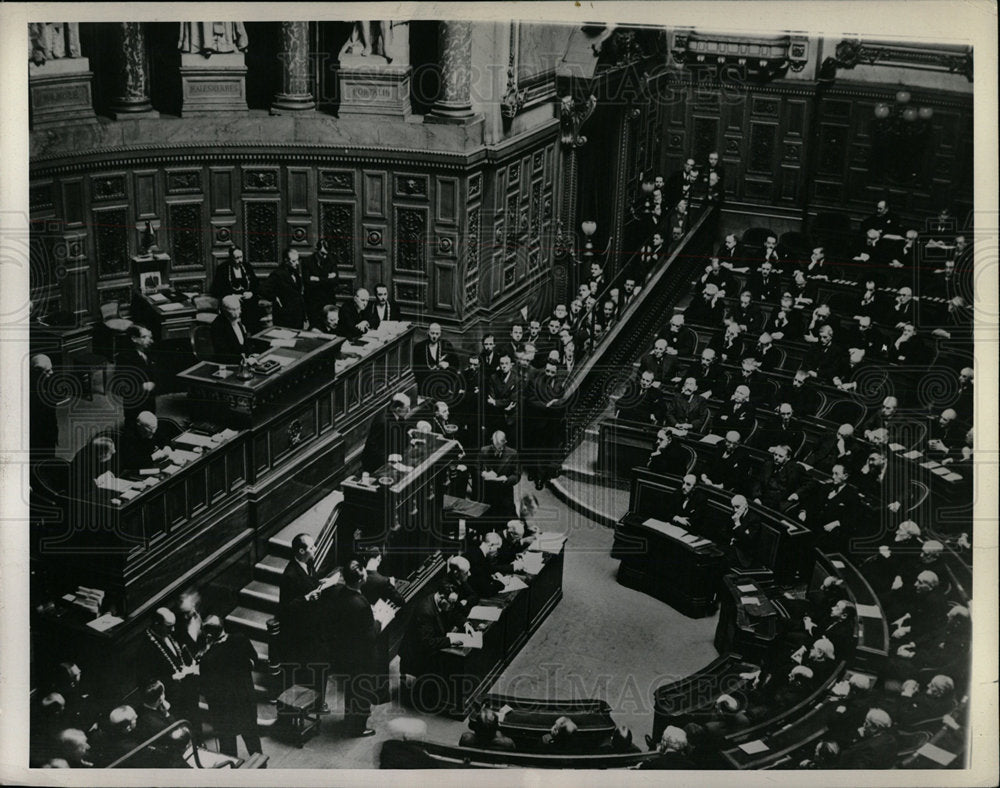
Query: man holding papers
426, 635
144, 441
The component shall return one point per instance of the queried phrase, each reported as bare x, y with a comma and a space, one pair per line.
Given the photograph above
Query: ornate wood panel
336, 225
111, 242
187, 239
260, 231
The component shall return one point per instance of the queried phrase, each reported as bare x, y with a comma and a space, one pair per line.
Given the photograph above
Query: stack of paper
193, 439
470, 640
282, 343
532, 563
485, 613
227, 433
753, 747
869, 611
105, 622
173, 306
181, 456
108, 481
281, 333
513, 583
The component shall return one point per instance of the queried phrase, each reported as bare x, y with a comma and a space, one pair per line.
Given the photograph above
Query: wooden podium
400, 507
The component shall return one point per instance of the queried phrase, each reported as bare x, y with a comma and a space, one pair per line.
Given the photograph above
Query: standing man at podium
499, 473
386, 435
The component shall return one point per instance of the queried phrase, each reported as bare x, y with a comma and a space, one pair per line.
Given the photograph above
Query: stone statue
53, 41
209, 38
369, 38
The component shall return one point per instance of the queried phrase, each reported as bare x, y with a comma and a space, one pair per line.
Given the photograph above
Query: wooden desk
748, 629
311, 359
399, 508
168, 314
469, 672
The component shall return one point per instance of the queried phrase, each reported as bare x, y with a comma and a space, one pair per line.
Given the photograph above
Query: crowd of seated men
188, 669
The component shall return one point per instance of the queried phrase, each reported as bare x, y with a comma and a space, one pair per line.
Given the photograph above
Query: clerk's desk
210, 521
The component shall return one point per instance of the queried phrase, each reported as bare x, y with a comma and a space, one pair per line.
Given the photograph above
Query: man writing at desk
144, 441
426, 635
483, 569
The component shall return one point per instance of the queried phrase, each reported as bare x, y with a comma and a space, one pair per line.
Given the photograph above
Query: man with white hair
687, 410
744, 534
115, 736
672, 749
936, 700
230, 338
903, 309
966, 399
354, 313
738, 412
513, 544
840, 447
876, 746
483, 571
727, 466
708, 374
944, 437
143, 442
707, 309
73, 746
681, 341
432, 353
657, 362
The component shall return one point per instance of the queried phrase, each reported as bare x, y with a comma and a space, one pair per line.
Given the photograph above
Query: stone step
252, 623
269, 569
260, 595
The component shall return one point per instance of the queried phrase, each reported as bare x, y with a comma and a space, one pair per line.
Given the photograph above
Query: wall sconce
588, 228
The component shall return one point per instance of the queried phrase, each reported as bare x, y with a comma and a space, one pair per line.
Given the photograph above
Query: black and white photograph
523, 387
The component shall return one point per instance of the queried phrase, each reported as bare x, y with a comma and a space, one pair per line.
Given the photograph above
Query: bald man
686, 505
432, 353
142, 441
161, 657
876, 747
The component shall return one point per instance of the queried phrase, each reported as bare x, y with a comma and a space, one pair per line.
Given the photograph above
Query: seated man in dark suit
426, 634
668, 456
686, 506
116, 736
329, 323
382, 308
646, 405
800, 392
483, 567
687, 410
142, 442
230, 339
513, 545
876, 748
785, 322
780, 482
785, 432
154, 713
563, 737
737, 412
744, 535
708, 374
727, 467
354, 313
672, 750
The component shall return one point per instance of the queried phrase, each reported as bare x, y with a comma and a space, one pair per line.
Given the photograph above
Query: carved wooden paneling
145, 194
832, 143
376, 269
706, 131
73, 206
337, 227
411, 239
446, 200
409, 292
260, 231
410, 185
336, 181
761, 156
374, 194
111, 242
297, 232
475, 186
108, 187
260, 179
447, 245
473, 256
298, 190
40, 196
185, 235
374, 236
222, 189
183, 181
445, 286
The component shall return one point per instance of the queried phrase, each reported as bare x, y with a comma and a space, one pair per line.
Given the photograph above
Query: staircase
258, 599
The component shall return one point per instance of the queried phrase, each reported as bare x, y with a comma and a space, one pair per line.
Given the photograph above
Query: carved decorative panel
222, 231
111, 242
472, 263
336, 181
761, 153
120, 293
796, 117
264, 180
536, 209
374, 194
72, 193
40, 196
411, 186
298, 190
758, 190
145, 194
337, 227
831, 149
411, 237
222, 190
181, 181
766, 106
298, 232
408, 292
793, 151
108, 187
513, 174
260, 231
444, 286
446, 245
185, 234
374, 236
447, 200
475, 185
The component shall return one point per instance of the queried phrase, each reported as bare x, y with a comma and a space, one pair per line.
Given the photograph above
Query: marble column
132, 98
294, 95
455, 102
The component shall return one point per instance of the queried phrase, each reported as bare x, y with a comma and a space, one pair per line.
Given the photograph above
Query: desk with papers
499, 626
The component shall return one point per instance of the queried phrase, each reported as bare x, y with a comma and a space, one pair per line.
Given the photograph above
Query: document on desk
105, 622
952, 477
746, 589
690, 538
485, 613
286, 343
226, 434
157, 298
869, 611
193, 439
896, 446
182, 455
128, 495
513, 583
532, 563
173, 306
711, 440
754, 747
281, 333
281, 358
941, 471
108, 481
913, 455
473, 640
936, 754
749, 600
666, 528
